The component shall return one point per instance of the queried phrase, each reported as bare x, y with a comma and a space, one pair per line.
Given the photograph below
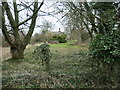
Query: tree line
81, 18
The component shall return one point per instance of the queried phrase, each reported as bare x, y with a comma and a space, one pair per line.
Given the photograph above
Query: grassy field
69, 67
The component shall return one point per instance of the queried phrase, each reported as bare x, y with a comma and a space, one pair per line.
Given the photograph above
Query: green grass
64, 45
68, 67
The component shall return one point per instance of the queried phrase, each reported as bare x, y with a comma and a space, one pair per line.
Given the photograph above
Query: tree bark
17, 53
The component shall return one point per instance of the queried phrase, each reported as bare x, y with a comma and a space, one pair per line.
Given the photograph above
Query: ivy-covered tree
106, 12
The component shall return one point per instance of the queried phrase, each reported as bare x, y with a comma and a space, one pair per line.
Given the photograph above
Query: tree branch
32, 25
4, 30
32, 15
16, 12
12, 21
9, 14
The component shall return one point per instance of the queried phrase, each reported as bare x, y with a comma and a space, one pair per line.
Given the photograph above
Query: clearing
68, 69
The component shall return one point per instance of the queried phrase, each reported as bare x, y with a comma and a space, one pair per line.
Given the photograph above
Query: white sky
49, 18
40, 19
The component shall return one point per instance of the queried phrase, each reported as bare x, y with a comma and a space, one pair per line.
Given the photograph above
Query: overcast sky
46, 7
53, 19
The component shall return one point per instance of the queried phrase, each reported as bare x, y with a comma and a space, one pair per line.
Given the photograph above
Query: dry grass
5, 51
70, 67
66, 69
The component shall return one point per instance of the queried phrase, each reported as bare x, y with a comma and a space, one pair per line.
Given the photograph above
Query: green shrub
106, 47
55, 37
43, 52
60, 38
105, 52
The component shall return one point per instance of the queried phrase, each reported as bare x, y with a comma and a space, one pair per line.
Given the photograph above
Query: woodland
85, 55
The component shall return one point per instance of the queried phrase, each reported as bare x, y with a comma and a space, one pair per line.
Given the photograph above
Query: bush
43, 52
105, 52
106, 47
61, 38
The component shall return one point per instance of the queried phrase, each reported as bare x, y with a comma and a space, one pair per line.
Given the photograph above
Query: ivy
106, 47
43, 52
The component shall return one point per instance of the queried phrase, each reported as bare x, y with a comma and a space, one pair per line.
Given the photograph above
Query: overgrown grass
68, 69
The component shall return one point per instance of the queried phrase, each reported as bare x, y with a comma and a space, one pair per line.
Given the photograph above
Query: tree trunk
17, 53
17, 44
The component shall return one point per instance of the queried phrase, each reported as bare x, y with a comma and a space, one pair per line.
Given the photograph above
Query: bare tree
17, 44
90, 16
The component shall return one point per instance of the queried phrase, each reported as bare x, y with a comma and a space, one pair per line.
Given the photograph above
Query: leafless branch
31, 16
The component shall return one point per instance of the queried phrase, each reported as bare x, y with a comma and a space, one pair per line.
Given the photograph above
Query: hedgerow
106, 47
